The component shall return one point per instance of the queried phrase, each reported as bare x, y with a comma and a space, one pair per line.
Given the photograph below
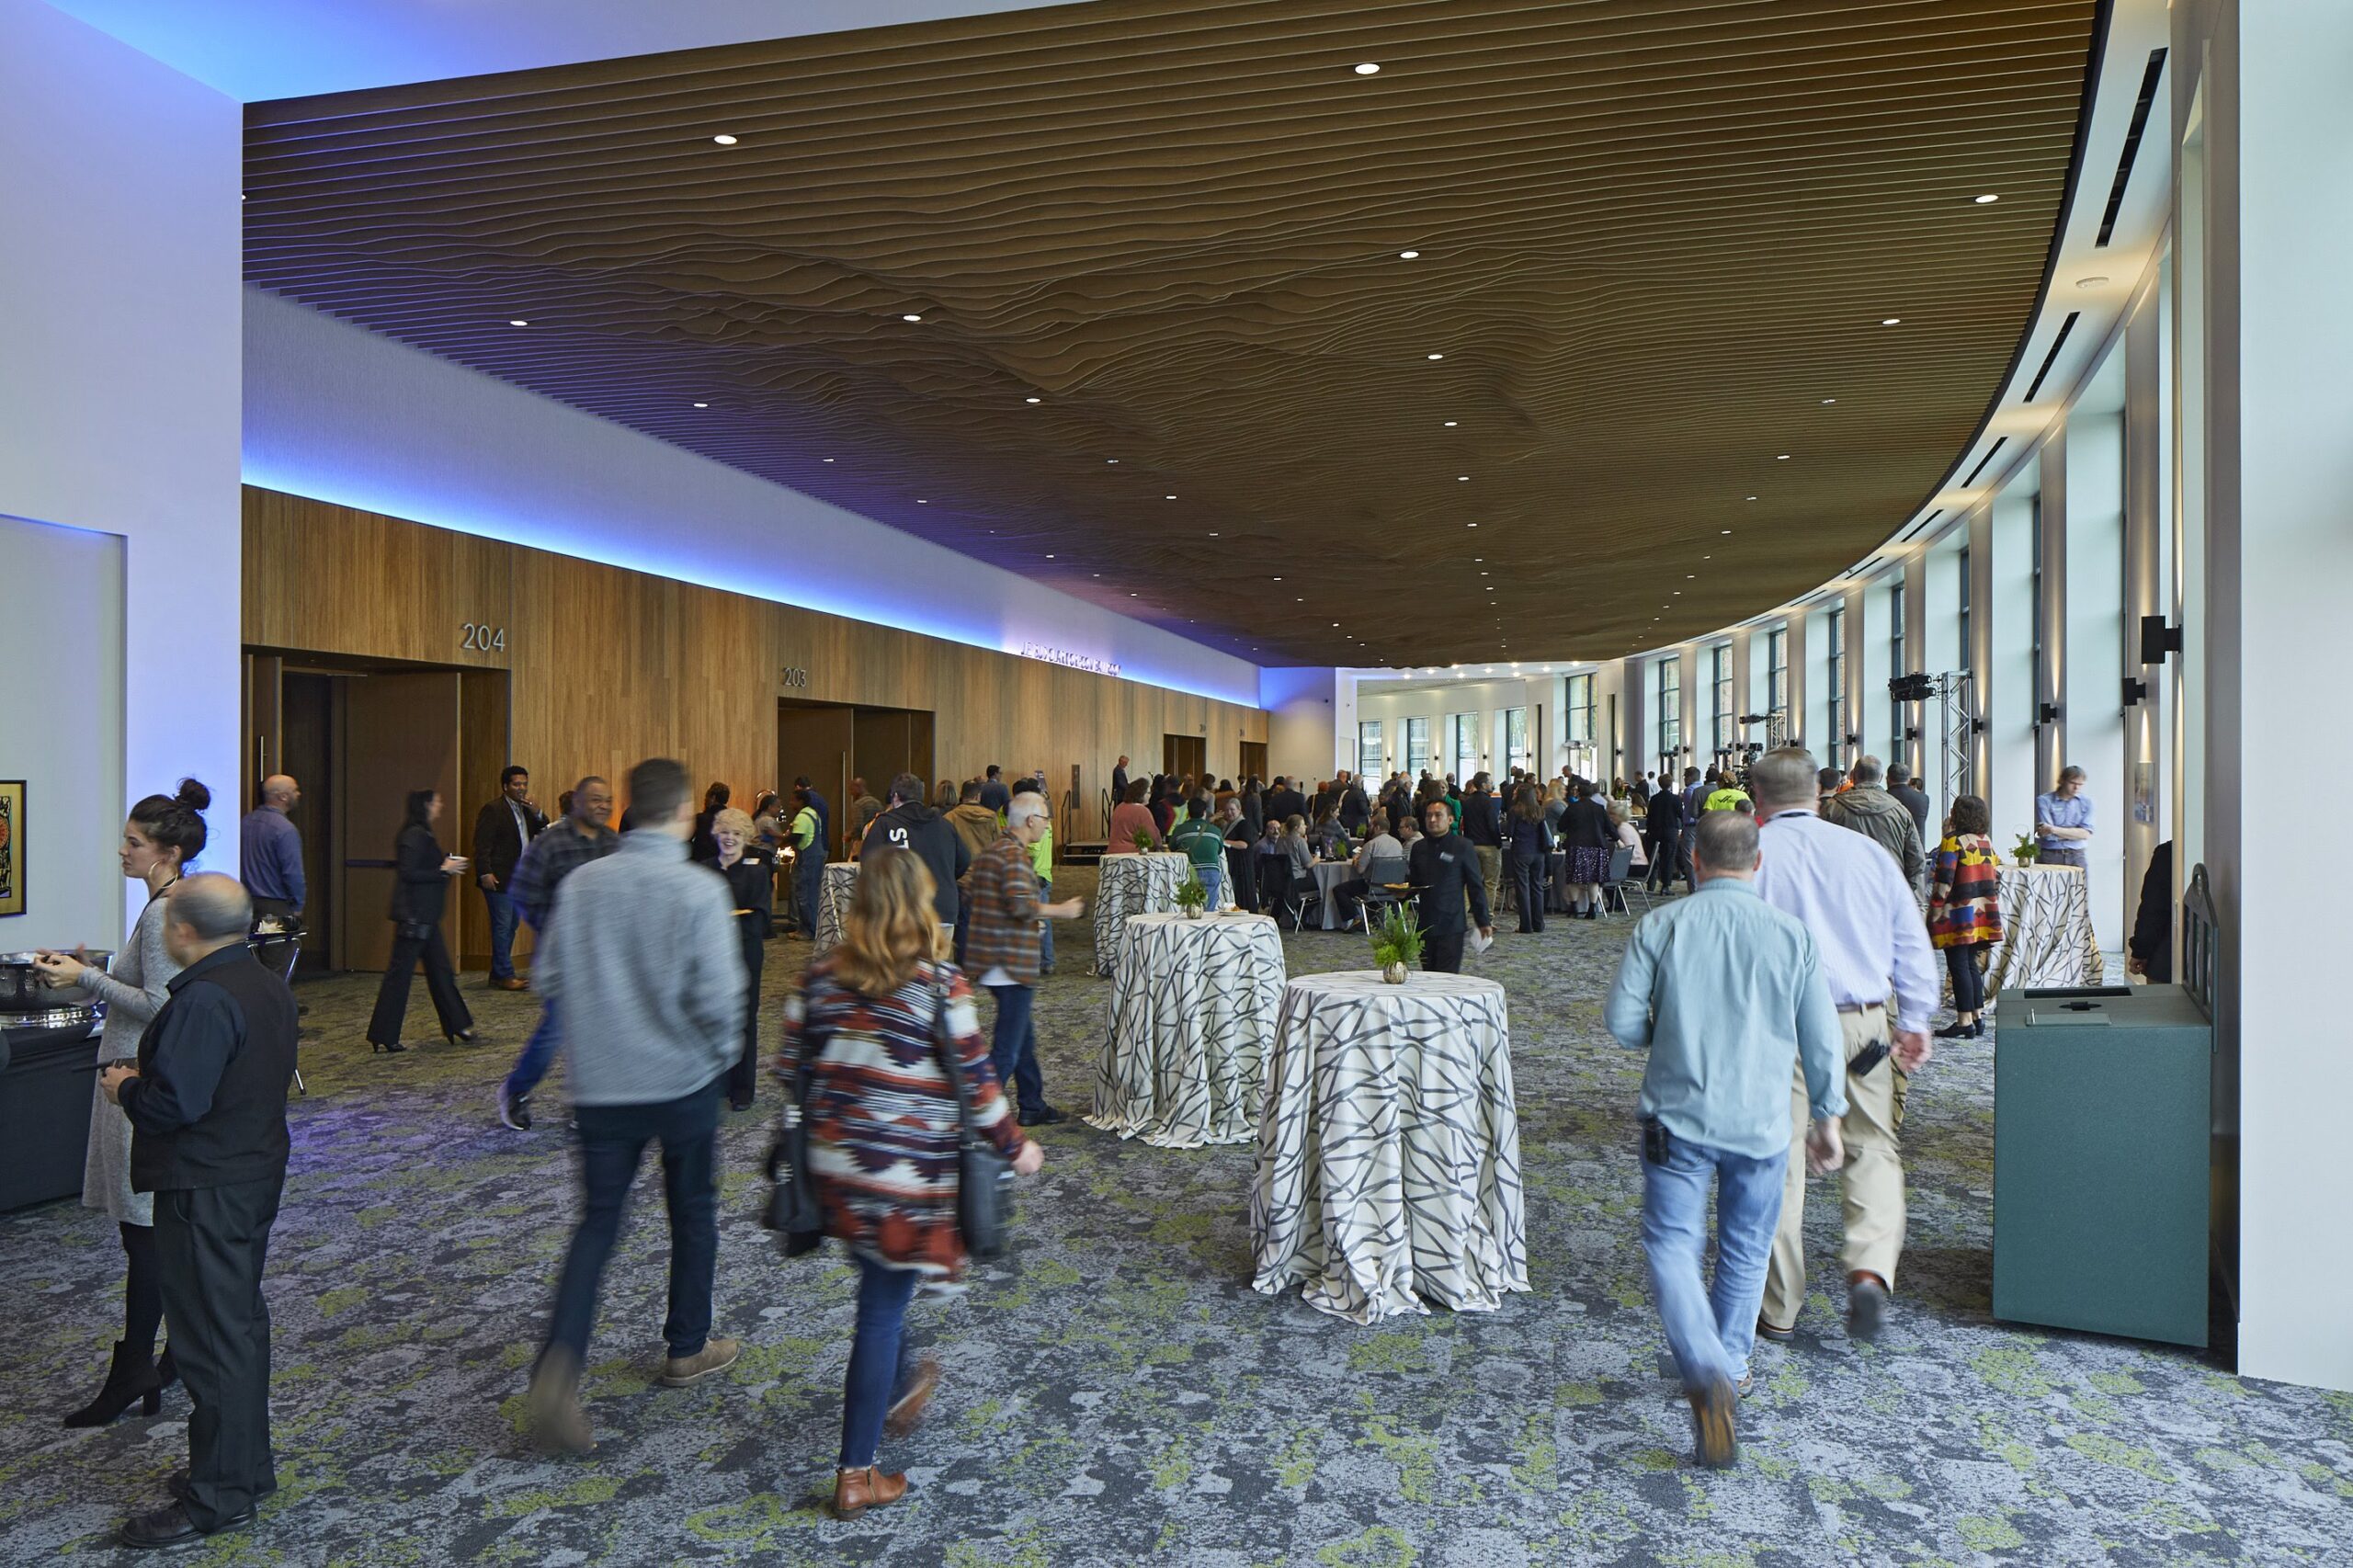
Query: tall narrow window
1776, 671
1418, 745
1514, 737
1368, 748
1898, 748
2035, 511
1670, 709
1581, 711
1720, 706
1834, 624
1466, 748
1961, 656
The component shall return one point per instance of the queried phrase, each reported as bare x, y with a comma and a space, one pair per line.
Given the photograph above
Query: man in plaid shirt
552, 856
1001, 945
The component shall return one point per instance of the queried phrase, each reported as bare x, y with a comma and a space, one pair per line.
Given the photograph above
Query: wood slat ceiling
1655, 237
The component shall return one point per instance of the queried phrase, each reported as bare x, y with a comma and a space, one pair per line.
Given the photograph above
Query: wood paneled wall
609, 665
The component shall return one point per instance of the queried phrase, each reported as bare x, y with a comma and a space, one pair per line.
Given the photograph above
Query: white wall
65, 740
119, 369
1302, 725
2093, 676
341, 414
2007, 679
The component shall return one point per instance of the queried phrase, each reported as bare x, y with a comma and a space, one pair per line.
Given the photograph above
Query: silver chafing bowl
23, 989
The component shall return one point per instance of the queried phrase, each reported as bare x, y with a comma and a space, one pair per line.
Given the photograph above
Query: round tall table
1193, 1010
1329, 875
2047, 935
1388, 1165
1132, 884
834, 889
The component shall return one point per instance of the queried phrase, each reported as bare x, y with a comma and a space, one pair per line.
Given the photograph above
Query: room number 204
484, 638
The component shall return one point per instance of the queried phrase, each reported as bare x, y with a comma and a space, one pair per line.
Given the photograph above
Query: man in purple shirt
270, 849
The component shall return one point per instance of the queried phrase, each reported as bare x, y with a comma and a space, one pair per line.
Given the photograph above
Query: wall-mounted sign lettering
1069, 660
795, 677
483, 639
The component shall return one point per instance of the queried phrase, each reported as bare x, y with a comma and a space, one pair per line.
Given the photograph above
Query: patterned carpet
1117, 1394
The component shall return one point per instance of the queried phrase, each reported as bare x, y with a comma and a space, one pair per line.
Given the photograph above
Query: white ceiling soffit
254, 50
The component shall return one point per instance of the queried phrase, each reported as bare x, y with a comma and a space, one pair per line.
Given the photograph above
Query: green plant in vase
1396, 944
1142, 842
1192, 896
2026, 849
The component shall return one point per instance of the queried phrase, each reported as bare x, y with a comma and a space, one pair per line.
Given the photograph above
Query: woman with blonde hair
875, 1018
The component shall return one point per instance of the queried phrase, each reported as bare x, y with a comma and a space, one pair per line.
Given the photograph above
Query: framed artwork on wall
12, 847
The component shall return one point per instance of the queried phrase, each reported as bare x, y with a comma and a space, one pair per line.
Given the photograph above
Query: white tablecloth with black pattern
1388, 1163
835, 886
1193, 1010
1131, 884
2047, 935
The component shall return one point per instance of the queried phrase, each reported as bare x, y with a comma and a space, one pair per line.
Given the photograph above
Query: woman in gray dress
164, 832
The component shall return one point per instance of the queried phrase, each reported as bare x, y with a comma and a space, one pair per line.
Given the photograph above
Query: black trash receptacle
45, 1113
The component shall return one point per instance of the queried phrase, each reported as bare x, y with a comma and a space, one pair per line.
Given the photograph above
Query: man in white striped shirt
1850, 894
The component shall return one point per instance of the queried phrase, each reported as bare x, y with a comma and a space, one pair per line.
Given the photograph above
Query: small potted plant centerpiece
2026, 849
1396, 944
1142, 842
1192, 895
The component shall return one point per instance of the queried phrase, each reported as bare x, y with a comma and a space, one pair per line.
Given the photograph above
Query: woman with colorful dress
1965, 911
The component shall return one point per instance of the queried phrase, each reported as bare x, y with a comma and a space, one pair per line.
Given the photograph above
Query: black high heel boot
167, 1372
130, 1379
376, 1045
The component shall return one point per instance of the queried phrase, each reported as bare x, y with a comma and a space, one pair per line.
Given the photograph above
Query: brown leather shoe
1712, 1424
512, 983
716, 1356
558, 1423
855, 1491
907, 1410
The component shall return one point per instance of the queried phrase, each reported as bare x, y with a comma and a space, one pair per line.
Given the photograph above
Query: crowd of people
1784, 1005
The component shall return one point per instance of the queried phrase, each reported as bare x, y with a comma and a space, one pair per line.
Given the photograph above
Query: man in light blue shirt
2062, 821
1727, 994
1850, 895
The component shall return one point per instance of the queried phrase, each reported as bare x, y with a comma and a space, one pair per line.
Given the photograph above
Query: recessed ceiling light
1469, 525
1782, 458
1449, 424
1748, 498
1110, 460
1213, 531
1893, 321
1987, 200
1132, 596
1727, 530
1279, 579
702, 405
518, 321
1368, 69
1828, 401
911, 316
1335, 626
1033, 400
1168, 498
920, 502
1050, 556
1462, 478
724, 140
829, 460
2089, 282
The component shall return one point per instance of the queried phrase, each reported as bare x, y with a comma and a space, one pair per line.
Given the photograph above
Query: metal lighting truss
1960, 733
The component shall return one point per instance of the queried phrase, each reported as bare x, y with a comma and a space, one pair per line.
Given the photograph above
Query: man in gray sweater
643, 958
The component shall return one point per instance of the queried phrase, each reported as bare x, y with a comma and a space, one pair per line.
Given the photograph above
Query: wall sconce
2135, 692
2157, 640
2045, 713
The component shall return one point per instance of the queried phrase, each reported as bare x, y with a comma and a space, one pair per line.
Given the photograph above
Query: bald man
207, 1104
270, 849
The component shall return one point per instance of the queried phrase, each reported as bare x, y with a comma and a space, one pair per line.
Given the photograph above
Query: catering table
1193, 1010
1132, 884
1329, 875
835, 886
1388, 1166
2047, 936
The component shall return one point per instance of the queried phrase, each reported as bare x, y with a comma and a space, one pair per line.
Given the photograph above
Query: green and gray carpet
1117, 1394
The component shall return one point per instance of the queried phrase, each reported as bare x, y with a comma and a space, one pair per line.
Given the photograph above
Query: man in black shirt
1120, 779
1355, 810
1446, 873
1666, 834
207, 1104
1284, 802
994, 793
908, 823
1483, 825
503, 829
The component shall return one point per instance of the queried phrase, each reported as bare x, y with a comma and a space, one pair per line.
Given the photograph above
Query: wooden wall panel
609, 665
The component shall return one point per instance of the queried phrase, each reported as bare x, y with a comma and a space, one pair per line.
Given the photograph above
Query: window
1669, 692
1368, 748
2036, 635
1514, 737
1898, 748
1961, 662
1466, 748
1834, 625
1418, 745
1580, 713
1776, 671
1720, 708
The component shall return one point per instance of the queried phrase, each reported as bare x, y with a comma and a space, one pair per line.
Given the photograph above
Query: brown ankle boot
855, 1491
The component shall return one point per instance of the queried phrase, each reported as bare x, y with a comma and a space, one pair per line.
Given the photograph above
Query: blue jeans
502, 933
1711, 1331
1045, 928
880, 1358
538, 1053
807, 886
1013, 1048
612, 1141
1212, 877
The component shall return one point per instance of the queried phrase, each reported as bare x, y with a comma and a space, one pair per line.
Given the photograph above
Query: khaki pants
1873, 1183
1491, 871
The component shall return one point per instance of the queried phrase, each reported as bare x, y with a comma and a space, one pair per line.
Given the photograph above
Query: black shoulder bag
793, 1212
983, 1177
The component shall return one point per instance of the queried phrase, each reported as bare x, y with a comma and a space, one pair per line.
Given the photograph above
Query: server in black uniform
1445, 874
207, 1104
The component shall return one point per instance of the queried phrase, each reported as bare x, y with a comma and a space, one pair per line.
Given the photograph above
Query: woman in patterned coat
1965, 911
871, 1019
